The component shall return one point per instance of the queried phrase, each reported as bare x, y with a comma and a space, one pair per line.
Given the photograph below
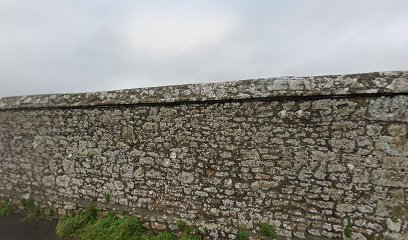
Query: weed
189, 233
190, 237
91, 155
5, 208
393, 219
182, 226
267, 230
127, 226
348, 230
49, 212
86, 225
112, 227
31, 210
108, 198
69, 226
97, 229
164, 236
242, 235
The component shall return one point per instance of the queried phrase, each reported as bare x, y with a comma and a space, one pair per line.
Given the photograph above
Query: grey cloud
73, 46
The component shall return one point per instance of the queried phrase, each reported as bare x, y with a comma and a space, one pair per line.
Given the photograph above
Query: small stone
158, 226
397, 130
394, 225
345, 207
48, 181
395, 146
365, 209
68, 166
228, 183
380, 82
257, 185
358, 236
186, 177
118, 185
399, 85
62, 181
283, 114
350, 167
299, 113
26, 196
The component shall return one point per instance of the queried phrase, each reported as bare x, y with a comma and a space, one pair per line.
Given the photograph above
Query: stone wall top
330, 85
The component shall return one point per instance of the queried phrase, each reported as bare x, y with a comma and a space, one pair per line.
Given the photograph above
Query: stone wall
303, 154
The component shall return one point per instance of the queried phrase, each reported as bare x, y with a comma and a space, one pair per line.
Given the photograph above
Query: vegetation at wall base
242, 235
188, 232
267, 230
86, 225
70, 226
31, 210
182, 226
5, 208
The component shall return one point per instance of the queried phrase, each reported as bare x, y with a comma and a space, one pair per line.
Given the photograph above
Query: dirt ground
14, 228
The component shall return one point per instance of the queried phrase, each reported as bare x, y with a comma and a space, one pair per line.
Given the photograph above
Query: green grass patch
70, 226
188, 232
242, 235
112, 227
86, 225
164, 236
182, 226
5, 208
267, 230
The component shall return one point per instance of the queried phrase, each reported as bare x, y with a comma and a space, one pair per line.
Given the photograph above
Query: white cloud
169, 32
74, 46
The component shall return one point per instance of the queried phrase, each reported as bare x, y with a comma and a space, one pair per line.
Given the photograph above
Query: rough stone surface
368, 83
302, 154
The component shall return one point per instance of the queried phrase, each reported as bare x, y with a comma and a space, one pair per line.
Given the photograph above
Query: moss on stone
348, 230
399, 212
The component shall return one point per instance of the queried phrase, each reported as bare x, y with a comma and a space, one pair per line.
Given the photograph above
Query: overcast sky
51, 46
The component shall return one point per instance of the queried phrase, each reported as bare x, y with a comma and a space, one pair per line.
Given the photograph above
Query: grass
182, 226
348, 230
5, 208
188, 232
242, 235
164, 236
112, 227
267, 230
86, 225
70, 226
190, 237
